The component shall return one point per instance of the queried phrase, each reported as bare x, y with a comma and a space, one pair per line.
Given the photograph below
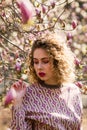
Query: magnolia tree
21, 21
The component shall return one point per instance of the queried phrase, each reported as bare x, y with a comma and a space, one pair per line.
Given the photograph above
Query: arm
75, 103
18, 118
16, 96
19, 121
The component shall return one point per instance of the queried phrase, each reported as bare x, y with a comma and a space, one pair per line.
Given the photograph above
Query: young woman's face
43, 66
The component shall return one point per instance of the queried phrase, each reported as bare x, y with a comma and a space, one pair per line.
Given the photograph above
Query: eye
45, 61
35, 62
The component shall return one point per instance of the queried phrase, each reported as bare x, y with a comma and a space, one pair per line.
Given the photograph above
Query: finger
23, 85
19, 85
16, 86
20, 81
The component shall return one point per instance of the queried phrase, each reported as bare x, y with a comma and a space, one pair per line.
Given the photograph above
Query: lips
41, 74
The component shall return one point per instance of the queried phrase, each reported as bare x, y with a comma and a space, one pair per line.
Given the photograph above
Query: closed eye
45, 61
35, 62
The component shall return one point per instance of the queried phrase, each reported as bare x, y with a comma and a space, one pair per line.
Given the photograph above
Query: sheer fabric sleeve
19, 121
76, 106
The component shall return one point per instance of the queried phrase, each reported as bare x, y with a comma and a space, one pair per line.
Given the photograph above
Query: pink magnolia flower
53, 4
11, 94
79, 84
26, 9
43, 9
85, 69
18, 65
77, 61
74, 24
69, 36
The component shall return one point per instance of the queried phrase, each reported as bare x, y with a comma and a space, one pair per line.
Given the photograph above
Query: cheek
49, 68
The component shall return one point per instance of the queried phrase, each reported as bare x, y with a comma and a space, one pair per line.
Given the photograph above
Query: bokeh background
21, 22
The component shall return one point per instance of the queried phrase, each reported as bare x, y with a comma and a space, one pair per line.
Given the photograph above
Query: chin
42, 79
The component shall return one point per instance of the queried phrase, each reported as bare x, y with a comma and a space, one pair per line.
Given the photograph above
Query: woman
52, 100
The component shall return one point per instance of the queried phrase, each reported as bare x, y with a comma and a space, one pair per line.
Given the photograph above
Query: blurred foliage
66, 16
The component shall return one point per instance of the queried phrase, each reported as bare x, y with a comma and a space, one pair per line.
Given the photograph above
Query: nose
39, 66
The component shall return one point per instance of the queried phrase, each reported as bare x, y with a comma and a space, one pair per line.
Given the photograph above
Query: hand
16, 93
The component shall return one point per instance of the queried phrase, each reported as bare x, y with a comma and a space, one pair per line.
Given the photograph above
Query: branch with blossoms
22, 21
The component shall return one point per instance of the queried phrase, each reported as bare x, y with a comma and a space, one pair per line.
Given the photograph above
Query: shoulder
71, 87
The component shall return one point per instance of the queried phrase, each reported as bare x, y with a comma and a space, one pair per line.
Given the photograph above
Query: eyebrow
41, 58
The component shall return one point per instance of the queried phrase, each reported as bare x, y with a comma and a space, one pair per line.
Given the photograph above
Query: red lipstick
41, 74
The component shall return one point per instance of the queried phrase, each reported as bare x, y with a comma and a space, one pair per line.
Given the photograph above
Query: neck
55, 85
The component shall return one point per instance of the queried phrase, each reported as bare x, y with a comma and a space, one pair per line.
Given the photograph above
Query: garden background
21, 22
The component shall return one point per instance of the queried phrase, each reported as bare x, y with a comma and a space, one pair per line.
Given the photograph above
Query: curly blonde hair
63, 58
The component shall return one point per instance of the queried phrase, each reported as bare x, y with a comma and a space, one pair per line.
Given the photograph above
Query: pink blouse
48, 109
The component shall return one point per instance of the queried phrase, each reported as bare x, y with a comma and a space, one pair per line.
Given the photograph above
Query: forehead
40, 53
